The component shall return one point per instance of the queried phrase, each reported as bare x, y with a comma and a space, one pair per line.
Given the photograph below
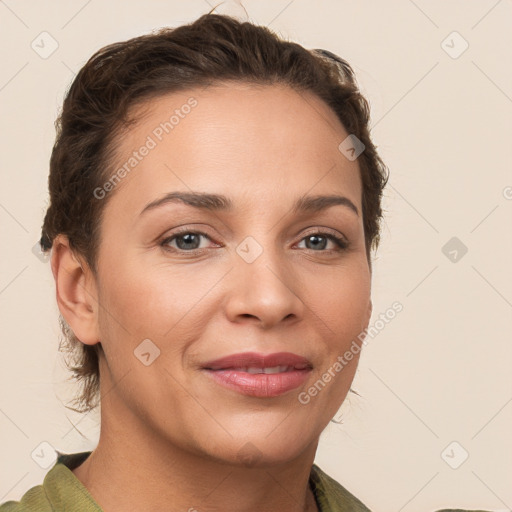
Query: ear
368, 315
76, 291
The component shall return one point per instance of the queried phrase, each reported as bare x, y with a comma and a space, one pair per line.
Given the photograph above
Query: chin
261, 452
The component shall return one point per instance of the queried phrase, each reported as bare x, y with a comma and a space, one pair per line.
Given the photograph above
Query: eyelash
341, 243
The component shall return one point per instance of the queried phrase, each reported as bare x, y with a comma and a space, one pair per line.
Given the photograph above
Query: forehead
257, 140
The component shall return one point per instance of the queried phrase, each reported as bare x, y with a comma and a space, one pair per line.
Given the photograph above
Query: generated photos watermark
152, 141
385, 318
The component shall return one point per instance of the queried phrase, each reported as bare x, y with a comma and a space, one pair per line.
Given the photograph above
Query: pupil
186, 237
316, 238
317, 241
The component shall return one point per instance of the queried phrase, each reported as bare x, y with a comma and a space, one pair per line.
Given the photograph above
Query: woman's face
182, 286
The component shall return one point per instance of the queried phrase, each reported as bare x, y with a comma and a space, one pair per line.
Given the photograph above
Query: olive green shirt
61, 491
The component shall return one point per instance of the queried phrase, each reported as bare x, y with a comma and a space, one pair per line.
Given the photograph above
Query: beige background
440, 371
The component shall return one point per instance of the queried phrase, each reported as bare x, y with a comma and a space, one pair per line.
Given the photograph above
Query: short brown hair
212, 49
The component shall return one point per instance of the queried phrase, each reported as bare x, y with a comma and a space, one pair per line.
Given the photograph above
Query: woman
214, 199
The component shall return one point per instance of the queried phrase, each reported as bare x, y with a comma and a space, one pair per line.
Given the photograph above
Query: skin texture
171, 438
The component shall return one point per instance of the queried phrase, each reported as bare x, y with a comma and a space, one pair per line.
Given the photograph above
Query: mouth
259, 375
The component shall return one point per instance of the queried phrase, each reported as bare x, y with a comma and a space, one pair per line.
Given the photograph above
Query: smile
259, 375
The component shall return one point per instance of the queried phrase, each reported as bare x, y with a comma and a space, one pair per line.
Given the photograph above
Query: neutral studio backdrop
432, 427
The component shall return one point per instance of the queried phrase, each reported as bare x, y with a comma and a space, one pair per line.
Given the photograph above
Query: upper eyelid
314, 229
310, 231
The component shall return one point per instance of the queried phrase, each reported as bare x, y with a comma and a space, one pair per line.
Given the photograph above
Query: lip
229, 372
257, 360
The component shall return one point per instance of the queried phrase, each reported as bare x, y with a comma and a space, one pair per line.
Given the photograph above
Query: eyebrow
218, 202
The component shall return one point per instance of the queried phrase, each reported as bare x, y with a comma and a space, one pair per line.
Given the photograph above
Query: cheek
165, 300
341, 300
342, 304
168, 303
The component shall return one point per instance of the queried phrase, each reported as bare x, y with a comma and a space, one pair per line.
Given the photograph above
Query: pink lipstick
260, 375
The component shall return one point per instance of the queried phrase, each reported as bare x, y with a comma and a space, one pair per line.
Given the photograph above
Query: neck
134, 468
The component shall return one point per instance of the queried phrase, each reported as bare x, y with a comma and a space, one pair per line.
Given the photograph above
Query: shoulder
60, 490
34, 500
331, 495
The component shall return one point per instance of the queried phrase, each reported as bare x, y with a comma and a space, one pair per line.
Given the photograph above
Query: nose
266, 291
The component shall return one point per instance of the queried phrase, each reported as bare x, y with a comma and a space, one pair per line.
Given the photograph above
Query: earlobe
370, 309
75, 291
369, 313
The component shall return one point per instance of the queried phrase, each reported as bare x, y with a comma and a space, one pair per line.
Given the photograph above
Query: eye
190, 242
317, 242
187, 241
